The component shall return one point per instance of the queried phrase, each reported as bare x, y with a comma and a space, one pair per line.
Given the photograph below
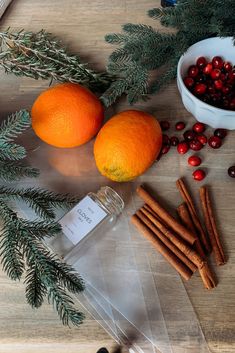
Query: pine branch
41, 56
35, 288
14, 125
10, 171
40, 200
11, 151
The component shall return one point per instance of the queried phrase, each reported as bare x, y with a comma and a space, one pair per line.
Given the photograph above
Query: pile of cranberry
213, 82
193, 139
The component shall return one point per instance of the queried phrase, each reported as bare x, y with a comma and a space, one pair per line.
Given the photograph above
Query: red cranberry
189, 135
231, 171
221, 133
215, 74
227, 66
193, 71
232, 104
180, 126
202, 138
199, 174
200, 88
194, 161
174, 141
195, 145
182, 147
189, 82
215, 142
201, 62
218, 84
208, 68
199, 127
226, 89
231, 75
211, 89
165, 125
165, 140
165, 149
217, 62
223, 77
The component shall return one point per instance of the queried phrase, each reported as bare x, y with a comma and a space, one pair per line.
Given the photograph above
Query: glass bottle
94, 211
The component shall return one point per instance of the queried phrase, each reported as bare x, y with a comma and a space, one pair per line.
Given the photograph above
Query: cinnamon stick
176, 240
204, 269
186, 219
166, 241
184, 271
187, 198
165, 216
217, 248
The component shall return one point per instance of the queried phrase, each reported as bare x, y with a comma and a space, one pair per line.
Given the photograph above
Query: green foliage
142, 49
41, 56
22, 245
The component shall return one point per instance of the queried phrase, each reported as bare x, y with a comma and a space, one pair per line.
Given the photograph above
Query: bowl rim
179, 77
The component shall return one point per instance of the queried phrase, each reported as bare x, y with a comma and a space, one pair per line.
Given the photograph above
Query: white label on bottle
82, 219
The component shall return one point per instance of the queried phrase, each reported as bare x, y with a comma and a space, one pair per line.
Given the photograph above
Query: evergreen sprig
142, 49
22, 241
42, 56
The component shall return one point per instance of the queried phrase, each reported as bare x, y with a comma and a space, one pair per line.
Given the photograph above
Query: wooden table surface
82, 26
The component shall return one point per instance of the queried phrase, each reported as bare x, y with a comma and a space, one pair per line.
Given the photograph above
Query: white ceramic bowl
203, 112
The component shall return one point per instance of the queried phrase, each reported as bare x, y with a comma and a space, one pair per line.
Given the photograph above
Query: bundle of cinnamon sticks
184, 243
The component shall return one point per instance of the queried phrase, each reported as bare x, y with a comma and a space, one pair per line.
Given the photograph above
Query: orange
127, 145
67, 115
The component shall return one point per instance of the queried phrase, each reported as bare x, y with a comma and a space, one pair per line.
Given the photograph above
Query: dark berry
201, 62
193, 71
202, 138
226, 90
218, 84
208, 68
231, 75
200, 89
223, 77
182, 147
199, 174
232, 104
217, 62
231, 171
189, 82
189, 135
194, 161
174, 141
165, 149
195, 145
215, 142
221, 133
199, 127
165, 125
165, 140
180, 126
215, 74
227, 66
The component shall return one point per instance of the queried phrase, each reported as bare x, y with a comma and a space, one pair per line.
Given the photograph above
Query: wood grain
82, 26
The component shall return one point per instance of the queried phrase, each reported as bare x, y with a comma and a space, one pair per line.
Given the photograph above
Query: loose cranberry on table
231, 171
189, 135
194, 161
165, 149
199, 174
182, 147
174, 141
199, 127
221, 133
165, 125
214, 142
180, 125
202, 138
195, 145
166, 140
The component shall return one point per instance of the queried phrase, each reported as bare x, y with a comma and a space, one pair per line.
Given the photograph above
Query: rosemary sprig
42, 56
